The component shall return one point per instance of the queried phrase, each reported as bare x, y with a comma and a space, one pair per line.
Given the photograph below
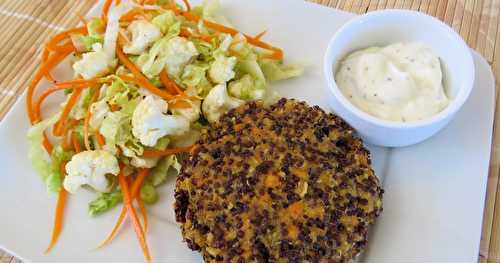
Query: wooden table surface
26, 24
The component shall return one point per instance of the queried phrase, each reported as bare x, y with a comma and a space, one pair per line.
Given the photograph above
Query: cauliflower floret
93, 64
150, 122
192, 114
178, 53
90, 168
143, 35
98, 112
221, 69
218, 102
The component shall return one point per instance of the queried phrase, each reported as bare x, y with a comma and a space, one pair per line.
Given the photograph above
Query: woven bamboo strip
450, 11
466, 19
424, 6
390, 4
373, 5
491, 36
41, 35
34, 59
415, 5
22, 8
16, 76
476, 18
22, 45
11, 5
432, 9
483, 27
13, 36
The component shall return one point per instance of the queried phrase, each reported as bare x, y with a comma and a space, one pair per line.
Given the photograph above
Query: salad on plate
149, 76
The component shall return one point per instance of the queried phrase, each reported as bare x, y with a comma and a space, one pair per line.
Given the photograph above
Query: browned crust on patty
284, 183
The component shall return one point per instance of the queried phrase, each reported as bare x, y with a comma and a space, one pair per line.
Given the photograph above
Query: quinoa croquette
283, 183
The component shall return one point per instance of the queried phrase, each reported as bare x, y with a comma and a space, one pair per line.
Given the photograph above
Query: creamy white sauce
401, 82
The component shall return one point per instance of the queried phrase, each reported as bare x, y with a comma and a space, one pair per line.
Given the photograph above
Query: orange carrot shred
159, 153
76, 144
82, 19
73, 99
44, 95
52, 45
141, 79
66, 142
105, 9
47, 144
100, 139
46, 67
136, 186
116, 227
114, 107
58, 218
38, 104
260, 35
130, 15
45, 57
86, 121
185, 33
127, 200
143, 212
83, 82
277, 52
170, 84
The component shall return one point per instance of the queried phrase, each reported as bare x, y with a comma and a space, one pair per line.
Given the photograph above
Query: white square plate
435, 190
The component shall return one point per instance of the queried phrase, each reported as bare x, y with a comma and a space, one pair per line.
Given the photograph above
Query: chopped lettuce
54, 180
252, 67
247, 88
241, 47
195, 75
165, 21
95, 26
48, 167
167, 166
148, 193
152, 62
84, 43
80, 109
274, 70
116, 126
210, 7
123, 95
104, 202
205, 49
162, 143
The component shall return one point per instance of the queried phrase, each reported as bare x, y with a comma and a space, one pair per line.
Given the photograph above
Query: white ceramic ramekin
385, 27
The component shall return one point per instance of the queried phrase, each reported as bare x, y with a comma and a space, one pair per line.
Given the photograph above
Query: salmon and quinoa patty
283, 183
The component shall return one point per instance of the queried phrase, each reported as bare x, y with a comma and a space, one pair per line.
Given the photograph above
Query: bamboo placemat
26, 24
